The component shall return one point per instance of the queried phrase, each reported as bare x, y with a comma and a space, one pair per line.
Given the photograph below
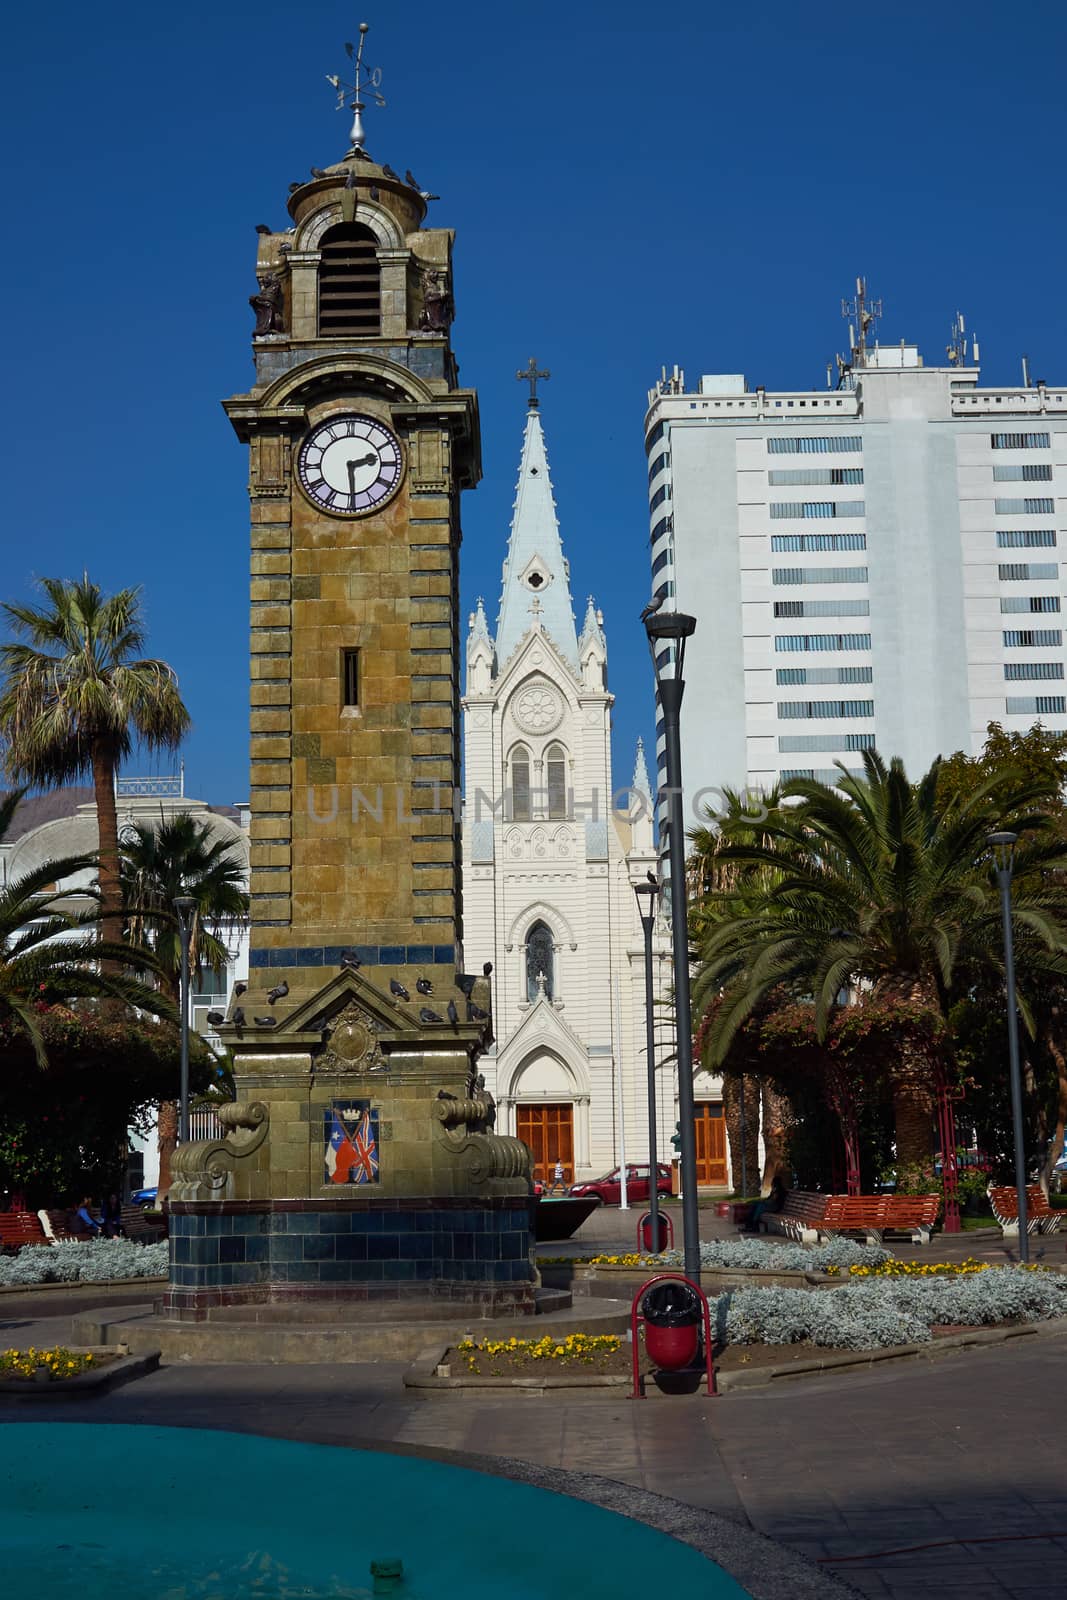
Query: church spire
640, 782
535, 566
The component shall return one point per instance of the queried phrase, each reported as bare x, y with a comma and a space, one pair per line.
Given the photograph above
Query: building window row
825, 708
788, 675
1031, 602
795, 510
828, 775
781, 542
789, 742
1031, 638
662, 560
654, 437
794, 476
664, 525
662, 460
1037, 472
819, 575
1019, 441
1013, 571
662, 493
1026, 538
789, 445
823, 641
822, 608
1018, 671
522, 795
1024, 508
1032, 705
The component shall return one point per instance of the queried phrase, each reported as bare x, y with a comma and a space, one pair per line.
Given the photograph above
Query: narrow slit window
350, 677
520, 787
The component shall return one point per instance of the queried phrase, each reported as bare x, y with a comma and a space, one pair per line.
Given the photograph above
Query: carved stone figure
437, 307
268, 305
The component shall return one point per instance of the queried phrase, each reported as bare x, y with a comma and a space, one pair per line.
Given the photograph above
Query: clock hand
363, 461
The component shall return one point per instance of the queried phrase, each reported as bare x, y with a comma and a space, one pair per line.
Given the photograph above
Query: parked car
143, 1197
609, 1187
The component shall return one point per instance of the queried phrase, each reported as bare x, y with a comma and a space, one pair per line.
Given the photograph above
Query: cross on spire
531, 376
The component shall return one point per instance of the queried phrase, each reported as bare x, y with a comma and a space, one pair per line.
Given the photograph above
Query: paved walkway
862, 1465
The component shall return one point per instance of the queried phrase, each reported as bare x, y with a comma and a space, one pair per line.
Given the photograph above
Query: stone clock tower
361, 1130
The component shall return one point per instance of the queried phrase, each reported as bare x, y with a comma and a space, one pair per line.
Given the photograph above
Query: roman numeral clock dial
350, 465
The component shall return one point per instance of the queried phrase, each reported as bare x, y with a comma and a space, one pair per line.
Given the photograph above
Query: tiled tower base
413, 1254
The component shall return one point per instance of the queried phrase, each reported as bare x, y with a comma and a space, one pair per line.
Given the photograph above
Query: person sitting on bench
84, 1217
774, 1202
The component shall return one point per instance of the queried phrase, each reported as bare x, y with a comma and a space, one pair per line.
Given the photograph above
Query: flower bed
869, 1315
94, 1261
508, 1358
741, 1254
48, 1366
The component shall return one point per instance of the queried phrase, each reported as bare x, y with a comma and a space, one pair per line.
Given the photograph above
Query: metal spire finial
532, 377
364, 78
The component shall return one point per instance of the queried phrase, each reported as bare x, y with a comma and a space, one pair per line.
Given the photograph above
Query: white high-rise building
551, 849
875, 566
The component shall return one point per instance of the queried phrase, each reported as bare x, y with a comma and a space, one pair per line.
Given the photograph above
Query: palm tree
882, 886
76, 696
49, 953
180, 857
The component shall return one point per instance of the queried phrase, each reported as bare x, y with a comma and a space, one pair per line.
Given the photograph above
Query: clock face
350, 465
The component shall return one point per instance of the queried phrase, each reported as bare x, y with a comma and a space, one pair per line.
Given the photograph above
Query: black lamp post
646, 907
185, 906
1003, 846
667, 633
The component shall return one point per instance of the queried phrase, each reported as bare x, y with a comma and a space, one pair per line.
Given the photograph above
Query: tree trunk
107, 824
778, 1120
166, 1143
731, 1107
167, 1126
913, 1114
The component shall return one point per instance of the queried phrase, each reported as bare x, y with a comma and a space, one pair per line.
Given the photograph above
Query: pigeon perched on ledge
350, 960
453, 1014
398, 989
476, 1014
279, 992
238, 1018
239, 989
465, 982
426, 1015
265, 1022
424, 986
215, 1017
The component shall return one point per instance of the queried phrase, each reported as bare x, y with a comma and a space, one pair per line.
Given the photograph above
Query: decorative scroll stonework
202, 1170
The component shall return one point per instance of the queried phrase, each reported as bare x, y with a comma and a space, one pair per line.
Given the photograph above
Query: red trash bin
662, 1228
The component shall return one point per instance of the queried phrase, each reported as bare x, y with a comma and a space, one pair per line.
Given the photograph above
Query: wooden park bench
142, 1228
18, 1228
801, 1217
877, 1214
1040, 1216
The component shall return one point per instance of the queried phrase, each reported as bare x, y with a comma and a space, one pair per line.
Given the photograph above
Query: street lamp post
1003, 845
667, 634
185, 906
647, 894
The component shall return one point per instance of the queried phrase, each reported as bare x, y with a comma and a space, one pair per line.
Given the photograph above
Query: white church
552, 850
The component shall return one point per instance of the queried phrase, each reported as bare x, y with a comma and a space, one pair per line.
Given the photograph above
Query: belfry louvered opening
350, 289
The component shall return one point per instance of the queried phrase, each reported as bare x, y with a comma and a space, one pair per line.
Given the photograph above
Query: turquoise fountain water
137, 1513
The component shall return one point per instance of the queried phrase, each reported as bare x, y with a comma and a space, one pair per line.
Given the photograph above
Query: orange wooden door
549, 1132
711, 1141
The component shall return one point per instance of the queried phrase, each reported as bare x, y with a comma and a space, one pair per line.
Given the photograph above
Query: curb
73, 1284
761, 1376
121, 1371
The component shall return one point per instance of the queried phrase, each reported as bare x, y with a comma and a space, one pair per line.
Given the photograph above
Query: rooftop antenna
1026, 372
956, 350
364, 79
866, 313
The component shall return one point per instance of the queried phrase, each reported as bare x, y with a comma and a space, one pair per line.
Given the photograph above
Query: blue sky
629, 188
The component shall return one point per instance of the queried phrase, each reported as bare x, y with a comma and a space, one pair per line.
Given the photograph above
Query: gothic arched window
556, 774
350, 287
540, 960
521, 800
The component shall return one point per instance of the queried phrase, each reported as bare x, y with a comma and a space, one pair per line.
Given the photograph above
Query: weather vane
365, 79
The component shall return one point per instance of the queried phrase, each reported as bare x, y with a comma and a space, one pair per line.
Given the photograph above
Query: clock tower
360, 442
359, 1161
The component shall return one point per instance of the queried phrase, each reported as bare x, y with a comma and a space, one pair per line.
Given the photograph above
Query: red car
609, 1189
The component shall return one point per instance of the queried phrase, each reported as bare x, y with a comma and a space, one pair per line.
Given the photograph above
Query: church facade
551, 851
